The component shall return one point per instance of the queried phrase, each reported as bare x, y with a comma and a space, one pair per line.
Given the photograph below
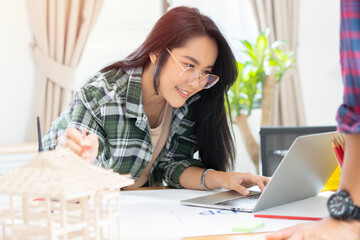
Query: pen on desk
287, 217
39, 134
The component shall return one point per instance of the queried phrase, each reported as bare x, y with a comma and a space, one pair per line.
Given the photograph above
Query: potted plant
262, 69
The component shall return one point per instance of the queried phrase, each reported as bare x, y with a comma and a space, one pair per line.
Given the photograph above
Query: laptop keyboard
243, 203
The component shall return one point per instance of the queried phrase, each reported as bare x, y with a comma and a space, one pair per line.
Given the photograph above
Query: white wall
119, 30
318, 63
318, 60
105, 44
17, 71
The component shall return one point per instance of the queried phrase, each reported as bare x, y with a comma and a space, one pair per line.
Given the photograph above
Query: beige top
159, 136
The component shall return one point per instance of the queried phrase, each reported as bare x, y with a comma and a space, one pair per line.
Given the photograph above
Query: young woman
148, 114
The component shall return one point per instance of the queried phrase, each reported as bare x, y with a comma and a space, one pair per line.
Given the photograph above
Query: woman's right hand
86, 148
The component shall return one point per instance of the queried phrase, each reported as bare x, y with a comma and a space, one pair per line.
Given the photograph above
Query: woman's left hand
240, 181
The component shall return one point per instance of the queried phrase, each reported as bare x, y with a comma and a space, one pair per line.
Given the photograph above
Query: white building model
57, 195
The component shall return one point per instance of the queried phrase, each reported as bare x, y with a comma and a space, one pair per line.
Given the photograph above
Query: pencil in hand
84, 153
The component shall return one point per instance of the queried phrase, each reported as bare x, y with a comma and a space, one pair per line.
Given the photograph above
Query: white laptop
302, 174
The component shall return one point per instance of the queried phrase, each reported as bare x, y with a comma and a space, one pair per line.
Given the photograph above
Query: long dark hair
173, 30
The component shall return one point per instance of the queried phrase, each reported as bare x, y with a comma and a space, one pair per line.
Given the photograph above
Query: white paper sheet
157, 214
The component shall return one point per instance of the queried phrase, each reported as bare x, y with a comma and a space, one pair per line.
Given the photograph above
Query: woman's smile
183, 93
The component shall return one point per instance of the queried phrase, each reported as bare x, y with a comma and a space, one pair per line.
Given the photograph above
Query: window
120, 28
234, 18
123, 25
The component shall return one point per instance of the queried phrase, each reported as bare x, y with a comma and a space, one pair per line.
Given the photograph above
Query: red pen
287, 217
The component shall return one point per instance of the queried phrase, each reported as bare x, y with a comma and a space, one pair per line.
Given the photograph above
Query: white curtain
281, 17
60, 30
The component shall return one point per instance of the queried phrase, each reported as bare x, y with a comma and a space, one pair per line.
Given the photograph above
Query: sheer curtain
281, 17
60, 31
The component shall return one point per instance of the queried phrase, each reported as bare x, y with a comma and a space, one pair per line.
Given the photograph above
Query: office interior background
123, 25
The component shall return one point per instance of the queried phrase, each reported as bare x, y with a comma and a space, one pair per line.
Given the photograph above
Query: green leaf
246, 93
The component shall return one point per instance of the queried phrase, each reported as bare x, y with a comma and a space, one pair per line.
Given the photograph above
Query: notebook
302, 174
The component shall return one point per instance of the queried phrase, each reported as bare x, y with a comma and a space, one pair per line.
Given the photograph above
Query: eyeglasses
191, 74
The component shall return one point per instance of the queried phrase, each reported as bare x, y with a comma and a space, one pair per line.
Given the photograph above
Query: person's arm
191, 178
350, 180
181, 170
66, 132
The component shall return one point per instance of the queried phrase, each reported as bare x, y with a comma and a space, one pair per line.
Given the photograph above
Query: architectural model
57, 195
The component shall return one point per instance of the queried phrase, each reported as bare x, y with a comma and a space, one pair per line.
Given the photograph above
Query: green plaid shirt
110, 105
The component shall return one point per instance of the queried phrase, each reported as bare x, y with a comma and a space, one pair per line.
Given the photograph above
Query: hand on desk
325, 229
241, 181
85, 146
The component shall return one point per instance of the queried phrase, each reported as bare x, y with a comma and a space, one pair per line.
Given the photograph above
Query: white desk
158, 214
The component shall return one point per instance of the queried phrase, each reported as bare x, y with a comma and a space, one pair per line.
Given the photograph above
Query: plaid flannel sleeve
348, 116
181, 159
79, 117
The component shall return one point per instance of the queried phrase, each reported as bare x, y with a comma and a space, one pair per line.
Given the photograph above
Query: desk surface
250, 236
